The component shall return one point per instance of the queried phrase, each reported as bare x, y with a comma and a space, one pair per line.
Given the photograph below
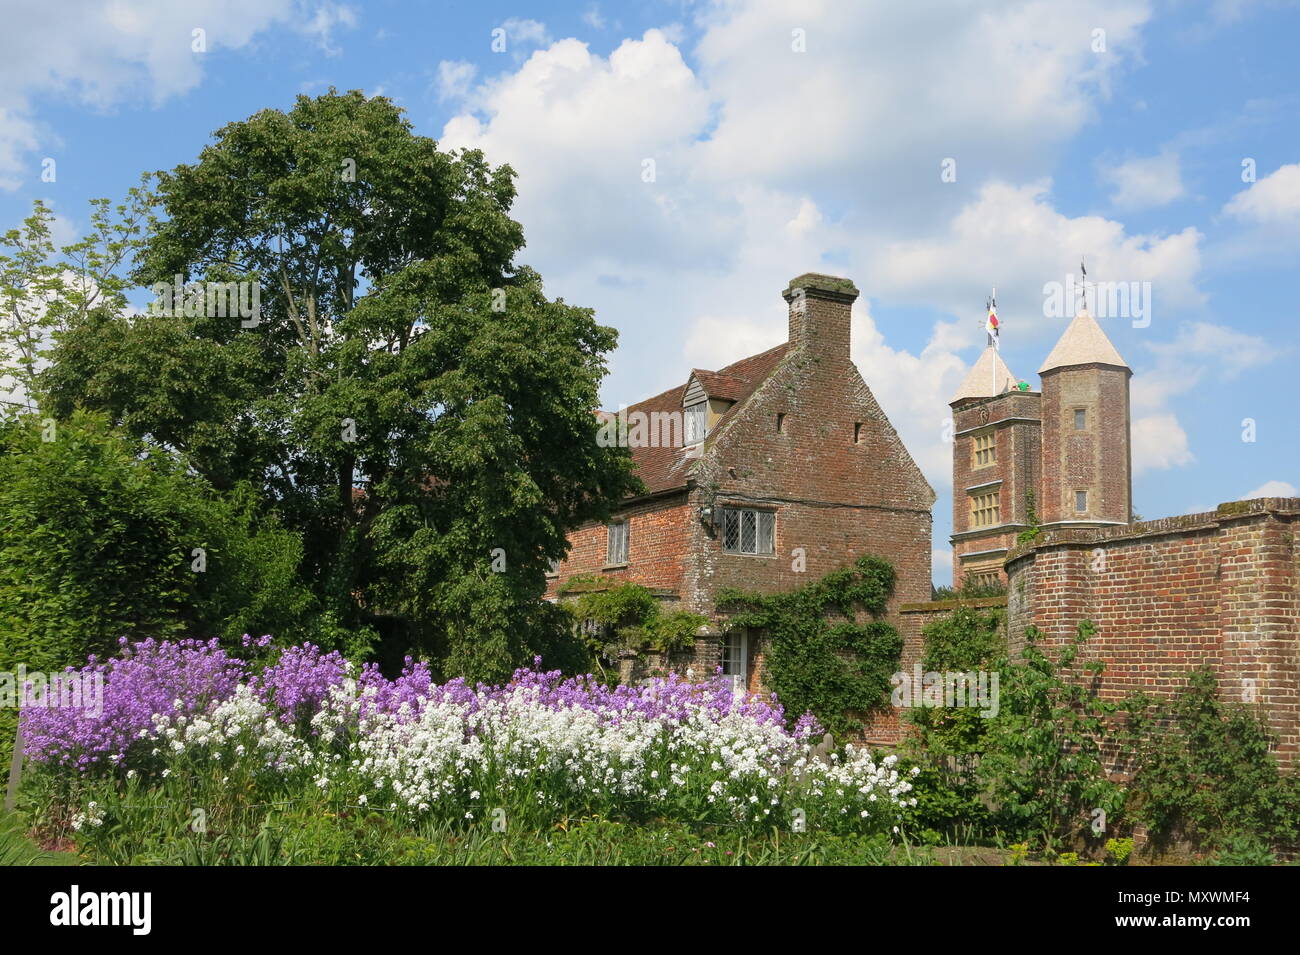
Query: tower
1087, 473
995, 466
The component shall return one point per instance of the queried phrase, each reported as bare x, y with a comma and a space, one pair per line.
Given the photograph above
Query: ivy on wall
616, 617
819, 658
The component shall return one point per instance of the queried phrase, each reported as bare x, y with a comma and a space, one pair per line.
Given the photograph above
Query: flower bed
189, 723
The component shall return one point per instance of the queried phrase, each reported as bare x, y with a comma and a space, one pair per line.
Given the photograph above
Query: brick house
764, 475
1069, 444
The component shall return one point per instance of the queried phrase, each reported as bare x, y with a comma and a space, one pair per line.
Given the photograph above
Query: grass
17, 849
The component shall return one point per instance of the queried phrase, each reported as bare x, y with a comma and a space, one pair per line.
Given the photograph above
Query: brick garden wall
885, 727
1167, 596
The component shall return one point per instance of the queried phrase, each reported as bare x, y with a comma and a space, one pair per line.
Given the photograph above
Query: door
735, 660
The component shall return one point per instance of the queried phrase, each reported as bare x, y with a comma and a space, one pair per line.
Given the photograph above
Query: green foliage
1031, 518
99, 542
351, 837
834, 668
1204, 769
1242, 849
948, 741
1042, 764
390, 299
1118, 850
628, 616
970, 589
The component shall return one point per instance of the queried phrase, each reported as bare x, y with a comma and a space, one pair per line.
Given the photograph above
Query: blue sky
790, 137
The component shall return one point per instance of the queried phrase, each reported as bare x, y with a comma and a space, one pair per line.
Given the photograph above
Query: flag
991, 326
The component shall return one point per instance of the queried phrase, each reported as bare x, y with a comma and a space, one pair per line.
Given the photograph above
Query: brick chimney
820, 306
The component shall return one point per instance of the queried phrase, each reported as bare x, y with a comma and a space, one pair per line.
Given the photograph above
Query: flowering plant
538, 749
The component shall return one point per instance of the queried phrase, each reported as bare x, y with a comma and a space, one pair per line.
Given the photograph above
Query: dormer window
695, 422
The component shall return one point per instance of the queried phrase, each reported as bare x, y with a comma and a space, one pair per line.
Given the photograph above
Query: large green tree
407, 399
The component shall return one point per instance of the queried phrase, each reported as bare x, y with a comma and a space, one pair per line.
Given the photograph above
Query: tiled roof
719, 385
988, 378
1084, 343
666, 468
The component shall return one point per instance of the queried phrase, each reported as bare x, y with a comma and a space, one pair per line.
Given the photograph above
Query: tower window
780, 422
857, 432
986, 451
1080, 419
986, 508
1081, 501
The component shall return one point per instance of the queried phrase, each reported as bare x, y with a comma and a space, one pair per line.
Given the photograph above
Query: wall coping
1179, 524
929, 606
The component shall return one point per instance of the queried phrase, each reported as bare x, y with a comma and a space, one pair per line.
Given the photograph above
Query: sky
679, 162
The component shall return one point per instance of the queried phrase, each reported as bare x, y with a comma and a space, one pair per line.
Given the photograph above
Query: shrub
1042, 753
100, 539
1204, 769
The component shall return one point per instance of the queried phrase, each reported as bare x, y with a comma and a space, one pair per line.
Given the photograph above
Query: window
986, 449
780, 422
747, 531
735, 660
616, 552
695, 419
857, 432
553, 568
985, 508
1080, 419
1080, 501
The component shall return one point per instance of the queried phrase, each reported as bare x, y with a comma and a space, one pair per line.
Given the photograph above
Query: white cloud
454, 78
1146, 182
524, 32
1159, 443
1273, 200
98, 54
593, 18
1272, 489
755, 149
1014, 236
322, 22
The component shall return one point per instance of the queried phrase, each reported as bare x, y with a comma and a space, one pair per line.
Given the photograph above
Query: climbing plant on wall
819, 657
627, 616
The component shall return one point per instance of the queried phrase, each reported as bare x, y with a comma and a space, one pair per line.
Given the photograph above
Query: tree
407, 398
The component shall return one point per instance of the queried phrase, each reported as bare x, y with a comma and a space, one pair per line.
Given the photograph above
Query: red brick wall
1097, 459
656, 548
1221, 588
835, 498
1014, 419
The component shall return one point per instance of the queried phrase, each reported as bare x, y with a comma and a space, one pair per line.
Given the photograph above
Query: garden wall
1221, 588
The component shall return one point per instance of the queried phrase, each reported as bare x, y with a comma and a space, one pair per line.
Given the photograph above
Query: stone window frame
978, 447
1077, 496
617, 542
1081, 410
761, 517
986, 501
